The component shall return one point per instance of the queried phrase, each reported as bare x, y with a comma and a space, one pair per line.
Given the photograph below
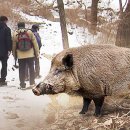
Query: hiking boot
2, 79
23, 86
2, 82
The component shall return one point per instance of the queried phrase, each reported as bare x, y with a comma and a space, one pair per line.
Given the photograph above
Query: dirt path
21, 110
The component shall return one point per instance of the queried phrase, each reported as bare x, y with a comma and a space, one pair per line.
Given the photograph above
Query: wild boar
91, 71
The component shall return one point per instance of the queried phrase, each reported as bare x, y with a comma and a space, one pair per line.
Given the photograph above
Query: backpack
24, 42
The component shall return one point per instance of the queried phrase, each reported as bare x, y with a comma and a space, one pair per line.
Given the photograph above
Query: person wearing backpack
5, 47
25, 48
35, 29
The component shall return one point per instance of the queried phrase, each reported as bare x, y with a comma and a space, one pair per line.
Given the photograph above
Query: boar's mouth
48, 89
43, 89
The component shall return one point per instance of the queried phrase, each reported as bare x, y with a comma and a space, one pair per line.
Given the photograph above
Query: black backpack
24, 42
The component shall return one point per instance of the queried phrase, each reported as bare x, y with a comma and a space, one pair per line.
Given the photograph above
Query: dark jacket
5, 40
38, 38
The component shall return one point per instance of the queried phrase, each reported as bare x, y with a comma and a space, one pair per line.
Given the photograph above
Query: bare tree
94, 11
123, 31
121, 8
63, 23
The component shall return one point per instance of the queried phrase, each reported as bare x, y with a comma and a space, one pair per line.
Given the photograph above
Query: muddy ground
22, 110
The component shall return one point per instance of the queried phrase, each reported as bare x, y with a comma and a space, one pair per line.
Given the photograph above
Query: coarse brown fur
99, 69
91, 71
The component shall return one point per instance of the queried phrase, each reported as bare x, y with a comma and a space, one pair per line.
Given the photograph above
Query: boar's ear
68, 61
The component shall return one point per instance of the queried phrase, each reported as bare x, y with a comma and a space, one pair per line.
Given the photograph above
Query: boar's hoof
82, 112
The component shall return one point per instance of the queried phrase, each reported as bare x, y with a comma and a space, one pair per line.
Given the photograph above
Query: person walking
35, 29
5, 47
25, 48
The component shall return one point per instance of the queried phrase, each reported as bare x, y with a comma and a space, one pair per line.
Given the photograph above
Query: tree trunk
94, 11
121, 8
128, 6
123, 31
63, 23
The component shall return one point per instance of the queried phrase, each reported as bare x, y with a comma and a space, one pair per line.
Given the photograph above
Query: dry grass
74, 16
67, 118
6, 8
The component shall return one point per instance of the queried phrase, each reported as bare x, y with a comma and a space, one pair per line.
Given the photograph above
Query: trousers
22, 70
3, 68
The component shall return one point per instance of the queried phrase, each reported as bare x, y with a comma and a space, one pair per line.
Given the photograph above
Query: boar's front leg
98, 105
86, 102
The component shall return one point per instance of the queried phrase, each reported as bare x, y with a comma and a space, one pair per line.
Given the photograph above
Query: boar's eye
57, 71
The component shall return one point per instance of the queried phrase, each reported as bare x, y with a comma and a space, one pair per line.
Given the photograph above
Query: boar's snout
43, 88
36, 92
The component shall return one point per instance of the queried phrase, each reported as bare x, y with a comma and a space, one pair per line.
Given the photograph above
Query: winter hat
35, 27
21, 25
3, 18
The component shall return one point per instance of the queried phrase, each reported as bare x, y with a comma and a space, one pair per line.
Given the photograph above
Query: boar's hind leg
86, 102
98, 105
